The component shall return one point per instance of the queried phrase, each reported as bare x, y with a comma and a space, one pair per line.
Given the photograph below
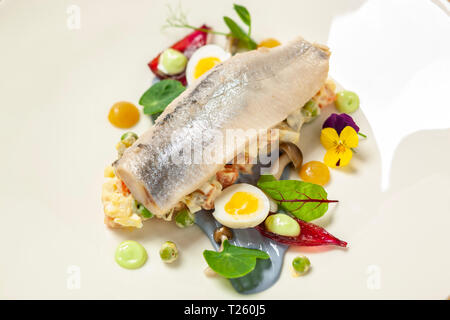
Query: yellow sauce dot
315, 172
204, 65
242, 203
123, 115
269, 43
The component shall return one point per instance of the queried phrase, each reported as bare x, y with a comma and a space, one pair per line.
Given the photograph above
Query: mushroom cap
222, 231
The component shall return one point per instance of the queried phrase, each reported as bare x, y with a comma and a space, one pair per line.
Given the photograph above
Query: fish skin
252, 90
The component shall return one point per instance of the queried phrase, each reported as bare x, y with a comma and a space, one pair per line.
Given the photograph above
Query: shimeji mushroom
220, 235
291, 154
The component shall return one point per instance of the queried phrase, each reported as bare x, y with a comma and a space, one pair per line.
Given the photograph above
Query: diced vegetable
184, 218
143, 211
311, 110
128, 135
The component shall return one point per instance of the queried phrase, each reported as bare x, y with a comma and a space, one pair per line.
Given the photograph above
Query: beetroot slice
187, 46
310, 235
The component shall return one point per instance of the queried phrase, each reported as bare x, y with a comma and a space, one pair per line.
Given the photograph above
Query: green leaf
243, 14
306, 201
238, 33
158, 97
233, 261
266, 178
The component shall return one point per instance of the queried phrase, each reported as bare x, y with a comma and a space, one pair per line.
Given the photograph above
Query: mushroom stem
291, 153
208, 271
280, 164
222, 239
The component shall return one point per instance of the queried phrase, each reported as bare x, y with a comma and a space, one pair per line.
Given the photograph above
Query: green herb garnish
306, 201
158, 97
244, 15
177, 19
239, 34
237, 31
233, 261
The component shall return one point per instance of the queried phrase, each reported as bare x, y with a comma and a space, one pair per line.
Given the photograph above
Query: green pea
184, 218
301, 264
283, 225
311, 109
347, 101
168, 252
172, 61
143, 211
128, 135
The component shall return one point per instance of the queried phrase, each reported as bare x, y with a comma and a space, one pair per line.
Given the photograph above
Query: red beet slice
310, 235
187, 46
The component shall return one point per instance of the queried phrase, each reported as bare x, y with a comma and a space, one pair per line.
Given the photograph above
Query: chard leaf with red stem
306, 201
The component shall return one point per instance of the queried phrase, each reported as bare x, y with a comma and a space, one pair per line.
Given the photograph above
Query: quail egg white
204, 59
241, 206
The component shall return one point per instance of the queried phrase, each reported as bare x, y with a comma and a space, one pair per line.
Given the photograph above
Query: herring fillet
252, 90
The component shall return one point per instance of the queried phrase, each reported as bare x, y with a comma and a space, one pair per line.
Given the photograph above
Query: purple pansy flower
339, 122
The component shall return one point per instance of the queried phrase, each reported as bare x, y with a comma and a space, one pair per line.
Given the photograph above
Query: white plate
57, 83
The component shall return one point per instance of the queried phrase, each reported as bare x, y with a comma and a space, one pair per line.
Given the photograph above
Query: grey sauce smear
266, 272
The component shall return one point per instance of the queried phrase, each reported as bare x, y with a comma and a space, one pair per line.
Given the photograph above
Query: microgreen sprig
178, 19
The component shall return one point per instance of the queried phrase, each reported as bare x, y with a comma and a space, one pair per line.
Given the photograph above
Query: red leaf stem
310, 235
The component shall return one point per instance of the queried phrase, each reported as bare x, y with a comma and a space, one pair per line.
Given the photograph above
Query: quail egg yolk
242, 203
204, 65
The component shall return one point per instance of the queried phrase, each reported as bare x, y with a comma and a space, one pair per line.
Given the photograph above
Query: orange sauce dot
123, 115
269, 43
315, 172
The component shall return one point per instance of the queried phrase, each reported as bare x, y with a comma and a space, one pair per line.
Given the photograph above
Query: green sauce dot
130, 255
347, 101
173, 61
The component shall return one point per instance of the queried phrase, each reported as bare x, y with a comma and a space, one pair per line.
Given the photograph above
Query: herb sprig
236, 30
177, 19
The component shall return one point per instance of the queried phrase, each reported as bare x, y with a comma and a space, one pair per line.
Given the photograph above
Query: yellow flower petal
331, 157
345, 157
349, 137
338, 157
329, 138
